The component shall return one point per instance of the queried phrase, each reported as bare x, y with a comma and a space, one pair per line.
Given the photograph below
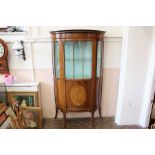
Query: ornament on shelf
8, 79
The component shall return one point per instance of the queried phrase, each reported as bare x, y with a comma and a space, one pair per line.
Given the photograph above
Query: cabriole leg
100, 112
92, 117
64, 117
56, 113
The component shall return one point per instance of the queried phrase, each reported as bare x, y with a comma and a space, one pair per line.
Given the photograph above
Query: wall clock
3, 57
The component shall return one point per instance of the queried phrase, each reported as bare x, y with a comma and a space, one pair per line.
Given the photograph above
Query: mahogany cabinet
77, 69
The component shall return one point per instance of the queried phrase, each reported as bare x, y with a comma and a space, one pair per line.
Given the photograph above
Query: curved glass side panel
56, 59
99, 57
78, 59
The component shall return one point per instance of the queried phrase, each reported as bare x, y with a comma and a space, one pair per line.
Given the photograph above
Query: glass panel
87, 59
99, 54
88, 50
69, 59
56, 59
78, 69
57, 68
78, 50
69, 69
78, 59
69, 50
87, 68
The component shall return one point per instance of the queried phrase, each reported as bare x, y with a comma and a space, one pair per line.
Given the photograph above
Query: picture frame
31, 117
7, 124
24, 99
3, 117
10, 112
3, 108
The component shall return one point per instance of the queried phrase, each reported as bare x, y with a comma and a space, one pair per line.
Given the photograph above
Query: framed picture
3, 108
3, 117
24, 99
7, 124
31, 118
10, 112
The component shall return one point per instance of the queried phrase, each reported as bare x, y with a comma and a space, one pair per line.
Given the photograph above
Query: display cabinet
77, 63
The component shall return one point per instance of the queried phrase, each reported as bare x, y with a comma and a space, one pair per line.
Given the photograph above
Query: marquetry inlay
78, 95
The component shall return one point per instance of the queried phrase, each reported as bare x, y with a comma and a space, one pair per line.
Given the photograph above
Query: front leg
56, 112
92, 117
64, 117
99, 110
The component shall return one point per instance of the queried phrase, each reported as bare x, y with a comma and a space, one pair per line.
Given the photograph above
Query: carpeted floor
85, 123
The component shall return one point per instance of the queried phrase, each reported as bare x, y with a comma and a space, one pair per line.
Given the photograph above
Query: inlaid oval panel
78, 95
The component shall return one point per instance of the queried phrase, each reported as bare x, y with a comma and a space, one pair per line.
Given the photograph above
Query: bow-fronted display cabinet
77, 67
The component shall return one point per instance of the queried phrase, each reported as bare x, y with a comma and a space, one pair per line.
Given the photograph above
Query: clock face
1, 50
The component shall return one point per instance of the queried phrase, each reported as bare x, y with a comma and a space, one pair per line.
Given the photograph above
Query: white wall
136, 56
150, 83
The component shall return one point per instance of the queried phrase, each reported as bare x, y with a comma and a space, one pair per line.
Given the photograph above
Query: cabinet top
78, 31
77, 34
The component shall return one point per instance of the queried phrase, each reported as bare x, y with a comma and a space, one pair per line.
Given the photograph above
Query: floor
85, 123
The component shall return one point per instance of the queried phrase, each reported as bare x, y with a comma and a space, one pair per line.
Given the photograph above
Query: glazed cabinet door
78, 74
